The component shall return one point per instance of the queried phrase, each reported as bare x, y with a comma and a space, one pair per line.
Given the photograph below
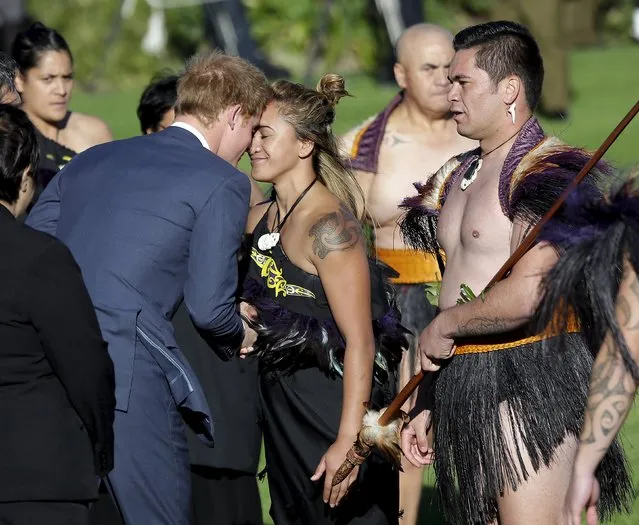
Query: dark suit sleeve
63, 314
209, 292
45, 214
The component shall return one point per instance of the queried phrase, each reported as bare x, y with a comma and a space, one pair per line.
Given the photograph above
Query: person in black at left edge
57, 387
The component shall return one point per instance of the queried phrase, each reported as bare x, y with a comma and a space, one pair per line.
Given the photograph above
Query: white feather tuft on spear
380, 432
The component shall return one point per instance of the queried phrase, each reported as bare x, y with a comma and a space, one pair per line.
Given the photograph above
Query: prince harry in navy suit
153, 221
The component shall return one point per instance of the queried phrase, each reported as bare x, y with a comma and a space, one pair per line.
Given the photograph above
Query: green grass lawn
605, 88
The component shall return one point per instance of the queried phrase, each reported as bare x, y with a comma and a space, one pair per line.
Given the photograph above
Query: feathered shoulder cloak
604, 235
536, 171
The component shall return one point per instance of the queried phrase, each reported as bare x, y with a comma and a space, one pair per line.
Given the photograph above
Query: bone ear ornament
511, 111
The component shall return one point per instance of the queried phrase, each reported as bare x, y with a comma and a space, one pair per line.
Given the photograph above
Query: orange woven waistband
571, 327
413, 267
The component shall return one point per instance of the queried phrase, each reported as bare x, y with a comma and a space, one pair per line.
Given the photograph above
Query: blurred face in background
46, 88
167, 120
422, 69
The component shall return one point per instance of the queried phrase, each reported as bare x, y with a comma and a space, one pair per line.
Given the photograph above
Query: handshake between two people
248, 313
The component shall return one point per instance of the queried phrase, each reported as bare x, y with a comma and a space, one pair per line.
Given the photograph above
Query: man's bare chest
473, 219
411, 158
402, 162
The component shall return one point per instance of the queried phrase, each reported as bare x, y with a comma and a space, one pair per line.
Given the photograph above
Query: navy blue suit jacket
151, 221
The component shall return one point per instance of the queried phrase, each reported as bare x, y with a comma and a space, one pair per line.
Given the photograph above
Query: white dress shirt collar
194, 131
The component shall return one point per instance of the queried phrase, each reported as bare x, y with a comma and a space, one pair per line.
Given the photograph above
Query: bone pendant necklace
473, 169
471, 173
269, 240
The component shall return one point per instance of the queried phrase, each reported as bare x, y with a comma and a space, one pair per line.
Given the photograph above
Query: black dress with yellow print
300, 352
53, 157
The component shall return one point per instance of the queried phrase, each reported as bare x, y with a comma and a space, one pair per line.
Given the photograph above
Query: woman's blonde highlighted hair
213, 81
311, 113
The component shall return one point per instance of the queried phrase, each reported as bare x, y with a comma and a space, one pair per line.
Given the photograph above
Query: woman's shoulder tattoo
335, 231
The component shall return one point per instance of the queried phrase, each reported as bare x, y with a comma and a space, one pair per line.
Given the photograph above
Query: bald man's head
419, 35
424, 52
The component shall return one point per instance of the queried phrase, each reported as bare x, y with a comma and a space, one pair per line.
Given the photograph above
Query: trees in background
107, 46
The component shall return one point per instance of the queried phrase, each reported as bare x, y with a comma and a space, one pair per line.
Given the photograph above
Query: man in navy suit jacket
152, 221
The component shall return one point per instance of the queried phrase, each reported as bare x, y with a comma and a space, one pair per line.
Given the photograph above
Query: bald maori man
414, 134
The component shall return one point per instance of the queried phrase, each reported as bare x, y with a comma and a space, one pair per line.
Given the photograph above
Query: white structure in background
391, 12
156, 36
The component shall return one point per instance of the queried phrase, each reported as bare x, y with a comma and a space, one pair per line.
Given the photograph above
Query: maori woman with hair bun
329, 338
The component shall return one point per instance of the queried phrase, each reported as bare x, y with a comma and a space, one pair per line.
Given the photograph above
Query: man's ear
306, 148
400, 75
234, 116
26, 181
512, 87
19, 81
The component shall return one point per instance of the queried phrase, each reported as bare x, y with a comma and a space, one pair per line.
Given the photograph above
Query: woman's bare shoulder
87, 131
328, 209
255, 215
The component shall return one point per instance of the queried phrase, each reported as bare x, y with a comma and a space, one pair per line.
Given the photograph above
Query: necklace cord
280, 225
497, 147
473, 169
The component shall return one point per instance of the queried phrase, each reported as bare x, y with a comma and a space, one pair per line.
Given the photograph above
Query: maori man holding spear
507, 409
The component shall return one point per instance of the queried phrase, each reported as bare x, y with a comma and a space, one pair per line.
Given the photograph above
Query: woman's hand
250, 336
247, 312
329, 464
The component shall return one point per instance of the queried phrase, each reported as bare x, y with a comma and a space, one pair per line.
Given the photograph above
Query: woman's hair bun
332, 86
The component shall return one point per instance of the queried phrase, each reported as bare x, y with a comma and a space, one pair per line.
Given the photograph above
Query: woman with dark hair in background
45, 82
57, 388
329, 338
